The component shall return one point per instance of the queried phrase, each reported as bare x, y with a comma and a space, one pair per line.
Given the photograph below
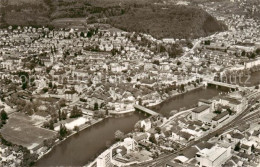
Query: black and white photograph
129, 83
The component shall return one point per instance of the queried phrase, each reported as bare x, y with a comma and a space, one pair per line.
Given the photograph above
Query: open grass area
19, 130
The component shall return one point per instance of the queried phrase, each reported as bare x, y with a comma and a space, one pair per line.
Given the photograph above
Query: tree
158, 129
59, 113
24, 85
229, 111
51, 125
63, 115
76, 128
207, 42
75, 112
50, 84
243, 53
178, 63
182, 88
152, 138
96, 106
189, 44
253, 148
114, 52
119, 135
44, 90
129, 79
90, 34
140, 101
99, 114
257, 51
63, 131
237, 147
62, 102
4, 116
82, 34
48, 142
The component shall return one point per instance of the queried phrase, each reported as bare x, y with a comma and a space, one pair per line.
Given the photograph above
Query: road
237, 121
192, 49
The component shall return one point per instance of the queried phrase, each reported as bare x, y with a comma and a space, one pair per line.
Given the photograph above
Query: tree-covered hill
149, 16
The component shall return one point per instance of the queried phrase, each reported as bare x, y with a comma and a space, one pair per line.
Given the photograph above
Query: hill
149, 16
173, 21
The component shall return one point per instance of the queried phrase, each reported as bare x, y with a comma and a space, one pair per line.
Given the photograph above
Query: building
130, 144
220, 118
146, 124
198, 112
104, 159
214, 157
235, 100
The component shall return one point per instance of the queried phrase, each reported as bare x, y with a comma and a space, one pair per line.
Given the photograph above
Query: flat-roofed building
104, 159
213, 157
198, 112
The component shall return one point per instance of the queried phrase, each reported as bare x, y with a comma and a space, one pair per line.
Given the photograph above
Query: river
187, 100
83, 147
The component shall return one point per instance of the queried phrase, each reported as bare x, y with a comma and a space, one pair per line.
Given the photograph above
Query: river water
187, 100
82, 148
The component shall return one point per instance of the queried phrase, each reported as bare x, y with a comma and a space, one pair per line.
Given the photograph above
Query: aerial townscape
130, 83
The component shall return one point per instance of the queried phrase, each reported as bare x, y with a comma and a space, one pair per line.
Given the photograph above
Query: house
237, 137
141, 137
146, 124
246, 149
186, 136
255, 136
70, 95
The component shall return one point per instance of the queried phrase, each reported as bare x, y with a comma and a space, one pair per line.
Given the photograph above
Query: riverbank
186, 100
78, 150
178, 94
151, 105
81, 148
81, 128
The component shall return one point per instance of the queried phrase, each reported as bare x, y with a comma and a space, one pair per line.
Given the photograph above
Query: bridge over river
146, 110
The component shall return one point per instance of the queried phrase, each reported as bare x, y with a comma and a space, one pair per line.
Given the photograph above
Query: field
19, 130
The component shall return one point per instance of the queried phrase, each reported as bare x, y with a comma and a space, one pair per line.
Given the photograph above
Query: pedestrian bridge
146, 110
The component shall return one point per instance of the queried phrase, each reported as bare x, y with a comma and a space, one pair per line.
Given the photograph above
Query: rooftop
213, 153
200, 109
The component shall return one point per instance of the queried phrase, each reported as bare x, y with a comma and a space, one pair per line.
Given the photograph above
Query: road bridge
146, 110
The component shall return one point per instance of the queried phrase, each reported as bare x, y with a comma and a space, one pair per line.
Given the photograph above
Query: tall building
104, 160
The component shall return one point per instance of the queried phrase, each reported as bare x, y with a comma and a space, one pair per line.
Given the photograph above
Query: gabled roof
246, 147
185, 135
237, 136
